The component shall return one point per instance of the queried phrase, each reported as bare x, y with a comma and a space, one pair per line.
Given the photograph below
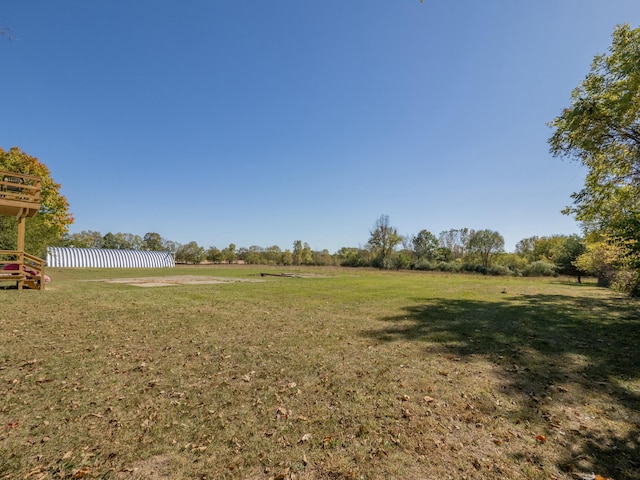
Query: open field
337, 374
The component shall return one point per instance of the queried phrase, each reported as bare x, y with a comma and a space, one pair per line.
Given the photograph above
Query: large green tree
601, 130
52, 221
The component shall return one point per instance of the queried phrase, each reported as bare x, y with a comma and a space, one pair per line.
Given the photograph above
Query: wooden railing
23, 268
19, 187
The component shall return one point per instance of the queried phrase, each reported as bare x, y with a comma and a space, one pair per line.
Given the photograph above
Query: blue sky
265, 122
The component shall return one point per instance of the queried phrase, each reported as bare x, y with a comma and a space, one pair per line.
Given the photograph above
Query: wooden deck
19, 194
27, 270
20, 198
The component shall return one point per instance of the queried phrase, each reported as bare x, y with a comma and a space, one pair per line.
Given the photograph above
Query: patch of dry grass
353, 374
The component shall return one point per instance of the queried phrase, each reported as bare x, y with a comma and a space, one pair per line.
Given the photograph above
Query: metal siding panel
149, 259
116, 259
136, 258
69, 257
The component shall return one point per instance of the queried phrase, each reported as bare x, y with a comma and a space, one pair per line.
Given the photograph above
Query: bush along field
318, 374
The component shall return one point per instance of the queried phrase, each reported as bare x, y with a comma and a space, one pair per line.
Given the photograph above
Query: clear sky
264, 122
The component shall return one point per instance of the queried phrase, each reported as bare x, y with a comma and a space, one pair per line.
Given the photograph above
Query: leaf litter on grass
199, 382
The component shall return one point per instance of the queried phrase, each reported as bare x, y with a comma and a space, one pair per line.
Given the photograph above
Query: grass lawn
334, 374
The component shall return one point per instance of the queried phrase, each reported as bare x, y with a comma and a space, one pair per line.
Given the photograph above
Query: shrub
540, 269
626, 281
499, 270
450, 267
424, 264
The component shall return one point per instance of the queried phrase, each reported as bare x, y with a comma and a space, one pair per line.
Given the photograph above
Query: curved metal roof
71, 257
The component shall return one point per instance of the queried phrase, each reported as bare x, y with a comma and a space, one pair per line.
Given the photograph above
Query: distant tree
135, 241
525, 248
213, 255
272, 255
52, 221
287, 257
229, 253
383, 240
573, 247
297, 252
402, 260
307, 254
353, 257
121, 241
484, 244
152, 241
190, 253
169, 246
84, 239
455, 240
425, 245
252, 255
561, 250
322, 258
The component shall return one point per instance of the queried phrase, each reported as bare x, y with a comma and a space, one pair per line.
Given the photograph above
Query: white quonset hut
71, 257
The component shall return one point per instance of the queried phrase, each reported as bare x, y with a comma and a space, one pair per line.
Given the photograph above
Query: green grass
340, 374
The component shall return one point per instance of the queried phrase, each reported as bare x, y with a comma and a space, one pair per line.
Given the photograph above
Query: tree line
454, 250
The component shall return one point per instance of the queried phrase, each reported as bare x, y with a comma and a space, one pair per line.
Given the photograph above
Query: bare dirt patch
176, 280
154, 468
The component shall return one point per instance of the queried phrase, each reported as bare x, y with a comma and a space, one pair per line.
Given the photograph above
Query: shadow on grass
545, 345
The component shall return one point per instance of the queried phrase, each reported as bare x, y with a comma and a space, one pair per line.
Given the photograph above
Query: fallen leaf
83, 472
283, 412
33, 472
